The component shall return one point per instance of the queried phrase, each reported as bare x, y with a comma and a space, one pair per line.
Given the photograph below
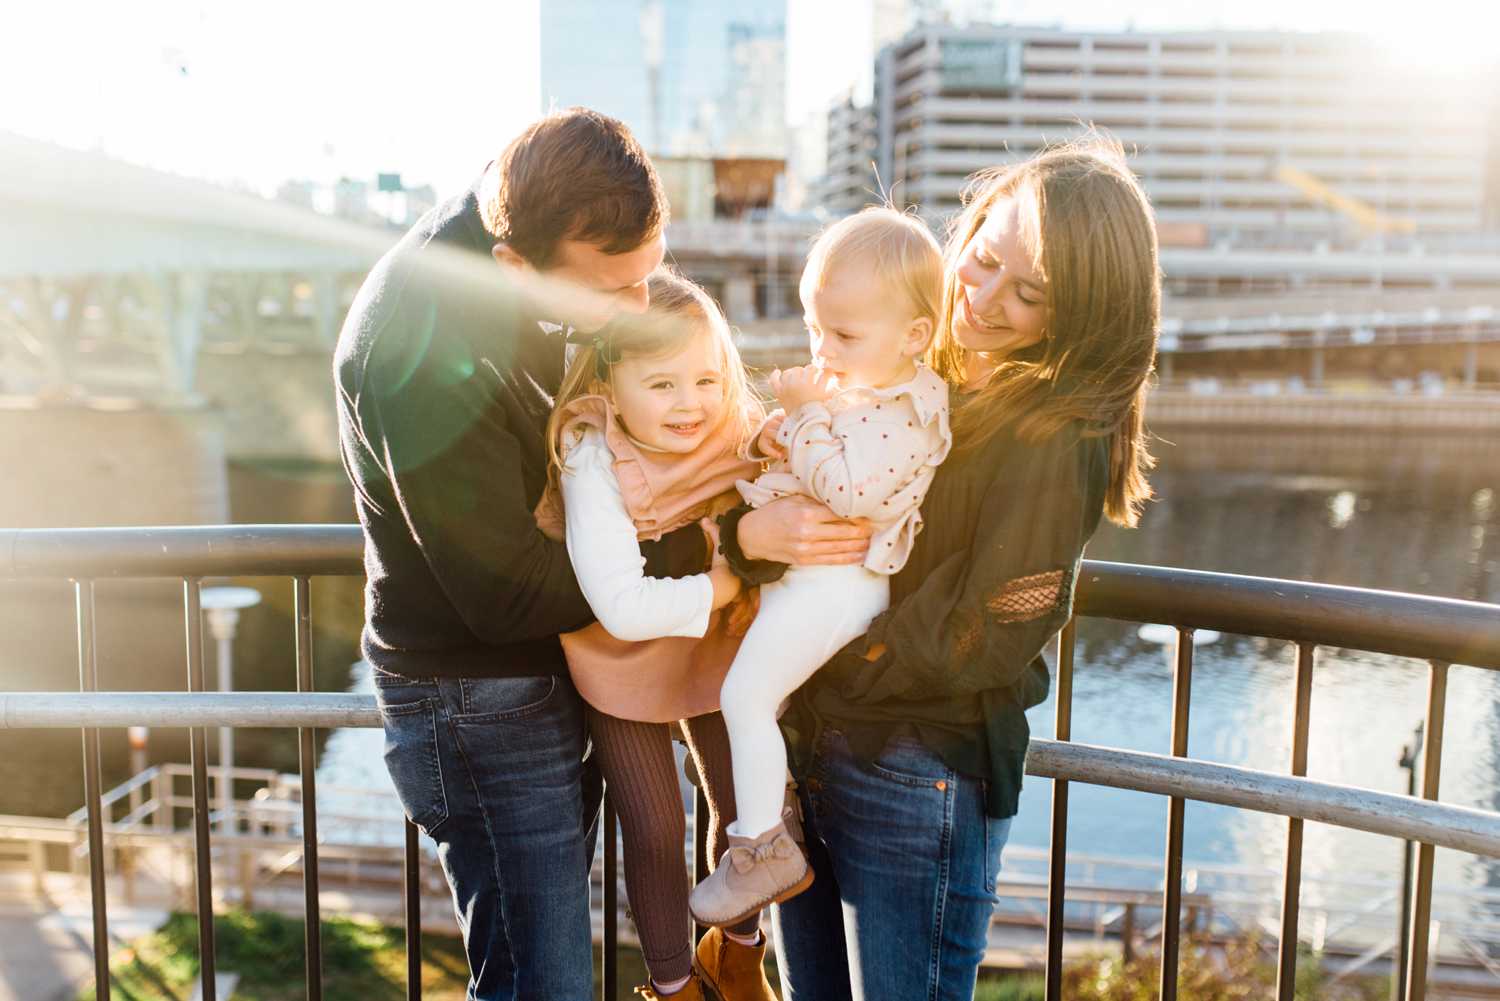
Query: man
446, 368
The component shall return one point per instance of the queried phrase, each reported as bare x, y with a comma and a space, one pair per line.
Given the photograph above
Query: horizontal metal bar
1404, 625
182, 551
1441, 824
40, 710
1385, 813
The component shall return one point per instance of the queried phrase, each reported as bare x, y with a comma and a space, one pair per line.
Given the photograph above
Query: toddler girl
865, 427
645, 438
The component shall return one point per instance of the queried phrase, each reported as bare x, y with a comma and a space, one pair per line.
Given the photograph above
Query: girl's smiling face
1002, 297
671, 402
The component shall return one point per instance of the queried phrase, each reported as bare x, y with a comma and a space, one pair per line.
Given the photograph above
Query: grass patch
362, 961
1009, 988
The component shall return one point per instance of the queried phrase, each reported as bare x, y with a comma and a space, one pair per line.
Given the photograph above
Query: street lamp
222, 607
1409, 755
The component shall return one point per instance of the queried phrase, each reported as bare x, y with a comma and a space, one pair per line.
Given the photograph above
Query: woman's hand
767, 444
804, 384
800, 530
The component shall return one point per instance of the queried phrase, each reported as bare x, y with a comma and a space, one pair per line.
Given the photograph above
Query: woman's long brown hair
1096, 238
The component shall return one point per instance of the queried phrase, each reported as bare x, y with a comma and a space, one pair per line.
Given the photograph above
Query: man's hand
804, 384
767, 444
740, 612
800, 530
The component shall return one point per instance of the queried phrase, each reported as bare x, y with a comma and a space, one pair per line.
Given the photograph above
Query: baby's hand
767, 444
795, 387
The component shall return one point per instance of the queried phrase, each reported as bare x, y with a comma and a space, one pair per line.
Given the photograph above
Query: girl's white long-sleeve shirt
606, 555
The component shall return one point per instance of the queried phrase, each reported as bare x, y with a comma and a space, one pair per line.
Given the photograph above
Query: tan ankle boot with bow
753, 874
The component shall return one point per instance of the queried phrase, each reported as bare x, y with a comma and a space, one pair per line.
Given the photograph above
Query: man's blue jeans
906, 863
492, 770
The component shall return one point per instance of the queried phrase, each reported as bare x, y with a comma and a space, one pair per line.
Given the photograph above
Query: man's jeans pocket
411, 756
497, 700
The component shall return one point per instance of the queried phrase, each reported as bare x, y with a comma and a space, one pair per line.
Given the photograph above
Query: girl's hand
804, 384
767, 444
726, 585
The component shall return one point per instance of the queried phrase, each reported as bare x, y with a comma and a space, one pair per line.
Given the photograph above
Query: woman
911, 743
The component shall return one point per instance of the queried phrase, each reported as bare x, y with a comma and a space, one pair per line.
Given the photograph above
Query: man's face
594, 286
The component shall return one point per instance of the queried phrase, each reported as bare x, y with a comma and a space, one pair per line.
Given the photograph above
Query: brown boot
753, 874
691, 991
736, 971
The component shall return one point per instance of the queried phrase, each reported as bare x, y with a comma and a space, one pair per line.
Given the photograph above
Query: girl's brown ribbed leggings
641, 773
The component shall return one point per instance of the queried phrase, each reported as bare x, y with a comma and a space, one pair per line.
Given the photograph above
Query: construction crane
1367, 216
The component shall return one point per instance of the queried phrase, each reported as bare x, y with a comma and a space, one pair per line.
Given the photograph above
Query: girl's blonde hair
680, 310
1095, 239
898, 247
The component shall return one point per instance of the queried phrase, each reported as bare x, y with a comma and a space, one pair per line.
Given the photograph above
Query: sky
252, 94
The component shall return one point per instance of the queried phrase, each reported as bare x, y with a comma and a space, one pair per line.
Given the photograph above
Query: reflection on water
1399, 514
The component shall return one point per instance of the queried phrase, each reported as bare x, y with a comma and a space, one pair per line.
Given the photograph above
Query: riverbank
1272, 407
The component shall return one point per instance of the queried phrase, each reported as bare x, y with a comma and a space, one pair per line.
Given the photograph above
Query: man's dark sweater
445, 384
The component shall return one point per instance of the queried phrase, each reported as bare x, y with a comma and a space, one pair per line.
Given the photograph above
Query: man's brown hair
574, 175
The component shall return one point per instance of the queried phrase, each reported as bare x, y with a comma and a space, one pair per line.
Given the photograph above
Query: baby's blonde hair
680, 310
899, 247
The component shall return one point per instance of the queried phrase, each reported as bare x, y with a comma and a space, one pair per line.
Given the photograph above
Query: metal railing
1441, 631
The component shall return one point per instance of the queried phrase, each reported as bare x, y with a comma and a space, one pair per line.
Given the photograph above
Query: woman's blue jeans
906, 863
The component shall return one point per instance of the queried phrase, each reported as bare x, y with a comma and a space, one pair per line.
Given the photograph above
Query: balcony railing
1440, 631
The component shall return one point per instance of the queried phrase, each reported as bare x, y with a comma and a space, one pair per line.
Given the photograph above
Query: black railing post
88, 681
1057, 857
1171, 907
411, 900
198, 756
609, 952
1421, 908
307, 766
1291, 887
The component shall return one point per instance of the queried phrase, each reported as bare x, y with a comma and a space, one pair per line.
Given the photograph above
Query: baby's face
861, 329
671, 402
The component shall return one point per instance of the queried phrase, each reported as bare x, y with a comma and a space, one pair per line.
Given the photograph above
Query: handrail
1439, 630
181, 551
1403, 625
1441, 824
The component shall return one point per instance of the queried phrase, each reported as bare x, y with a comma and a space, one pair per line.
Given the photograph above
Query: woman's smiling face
1001, 305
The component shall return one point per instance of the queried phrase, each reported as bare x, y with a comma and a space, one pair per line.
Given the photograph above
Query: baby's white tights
804, 619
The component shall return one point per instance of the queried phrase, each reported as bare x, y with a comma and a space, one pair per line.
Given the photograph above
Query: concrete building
690, 77
1211, 117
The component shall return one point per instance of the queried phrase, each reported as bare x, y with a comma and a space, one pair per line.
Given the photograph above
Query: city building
1251, 138
690, 77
